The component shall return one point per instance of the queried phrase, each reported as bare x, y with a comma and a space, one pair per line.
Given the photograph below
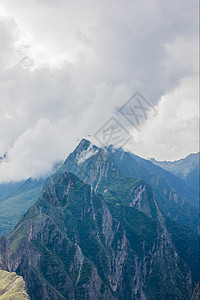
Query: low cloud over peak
65, 68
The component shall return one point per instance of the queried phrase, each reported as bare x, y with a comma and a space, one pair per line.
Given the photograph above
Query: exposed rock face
4, 253
72, 244
140, 200
12, 287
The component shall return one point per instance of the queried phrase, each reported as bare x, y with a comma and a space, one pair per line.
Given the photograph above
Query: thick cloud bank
67, 66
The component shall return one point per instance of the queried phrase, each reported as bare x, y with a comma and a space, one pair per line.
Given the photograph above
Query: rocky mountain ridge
92, 165
72, 244
101, 234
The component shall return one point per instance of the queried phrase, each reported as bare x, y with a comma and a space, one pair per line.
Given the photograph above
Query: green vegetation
67, 214
85, 273
139, 227
12, 287
187, 245
73, 241
108, 167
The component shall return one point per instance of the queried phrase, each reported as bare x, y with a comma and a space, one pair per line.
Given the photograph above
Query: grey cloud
85, 62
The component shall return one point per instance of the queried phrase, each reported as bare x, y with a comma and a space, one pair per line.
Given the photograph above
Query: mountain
93, 164
76, 244
176, 199
186, 169
7, 188
106, 225
182, 167
16, 200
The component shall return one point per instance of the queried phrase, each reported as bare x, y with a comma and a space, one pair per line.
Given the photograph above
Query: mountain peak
84, 141
83, 145
85, 148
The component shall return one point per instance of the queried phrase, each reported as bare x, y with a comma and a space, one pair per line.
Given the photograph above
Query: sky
68, 67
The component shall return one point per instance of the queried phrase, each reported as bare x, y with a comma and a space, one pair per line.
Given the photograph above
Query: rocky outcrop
141, 201
12, 286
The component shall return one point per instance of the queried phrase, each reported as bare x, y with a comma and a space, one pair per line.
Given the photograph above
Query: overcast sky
67, 66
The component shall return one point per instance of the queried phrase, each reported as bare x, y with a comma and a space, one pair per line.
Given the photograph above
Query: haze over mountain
16, 201
187, 169
66, 68
16, 198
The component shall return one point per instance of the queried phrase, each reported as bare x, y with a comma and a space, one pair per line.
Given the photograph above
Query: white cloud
173, 132
65, 67
37, 150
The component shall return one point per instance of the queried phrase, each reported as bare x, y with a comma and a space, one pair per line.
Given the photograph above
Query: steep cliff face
12, 286
4, 253
75, 244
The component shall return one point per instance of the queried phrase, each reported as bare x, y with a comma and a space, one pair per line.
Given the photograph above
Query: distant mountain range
16, 198
186, 169
106, 225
